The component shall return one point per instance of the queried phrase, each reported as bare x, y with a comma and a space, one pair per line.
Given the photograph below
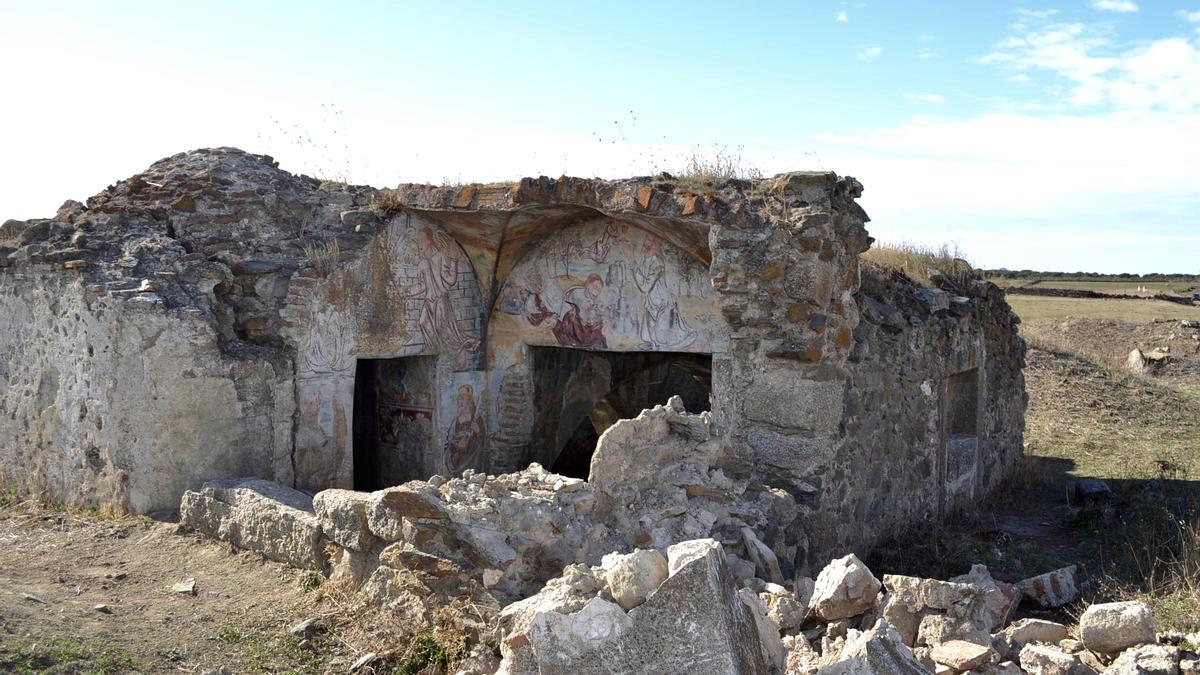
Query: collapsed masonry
216, 317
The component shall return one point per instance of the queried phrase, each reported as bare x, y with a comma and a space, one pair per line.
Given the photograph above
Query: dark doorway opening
579, 394
393, 421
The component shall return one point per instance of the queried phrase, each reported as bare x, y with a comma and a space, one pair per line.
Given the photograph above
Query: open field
1111, 286
1033, 309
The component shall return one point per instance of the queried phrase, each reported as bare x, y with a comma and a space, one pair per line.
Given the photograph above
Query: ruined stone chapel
216, 316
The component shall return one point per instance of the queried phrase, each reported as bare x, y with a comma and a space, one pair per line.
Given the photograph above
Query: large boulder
844, 588
695, 622
258, 515
1111, 627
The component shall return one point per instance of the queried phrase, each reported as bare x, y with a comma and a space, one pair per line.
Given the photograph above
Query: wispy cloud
925, 98
842, 17
1122, 6
926, 54
1194, 17
869, 54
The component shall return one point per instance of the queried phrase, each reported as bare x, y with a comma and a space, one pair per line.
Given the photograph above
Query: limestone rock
1048, 660
258, 515
1026, 631
694, 622
679, 555
961, 655
773, 651
844, 588
878, 651
343, 516
633, 576
1146, 660
964, 608
785, 610
1111, 627
1001, 599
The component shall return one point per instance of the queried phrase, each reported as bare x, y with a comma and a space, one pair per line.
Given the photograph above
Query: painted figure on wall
439, 264
465, 437
662, 326
325, 346
580, 320
609, 285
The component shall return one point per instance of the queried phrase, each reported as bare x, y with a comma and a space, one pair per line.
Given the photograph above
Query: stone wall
230, 306
111, 400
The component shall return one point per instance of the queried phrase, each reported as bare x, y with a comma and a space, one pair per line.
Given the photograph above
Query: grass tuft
921, 263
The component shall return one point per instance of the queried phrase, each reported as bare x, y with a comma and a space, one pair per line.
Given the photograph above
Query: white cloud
1121, 6
869, 54
926, 54
925, 98
1097, 70
842, 17
1193, 17
1020, 78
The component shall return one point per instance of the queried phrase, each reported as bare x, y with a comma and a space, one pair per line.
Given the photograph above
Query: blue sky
1053, 136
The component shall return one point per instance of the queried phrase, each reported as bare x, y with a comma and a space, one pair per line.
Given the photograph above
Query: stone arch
411, 292
606, 291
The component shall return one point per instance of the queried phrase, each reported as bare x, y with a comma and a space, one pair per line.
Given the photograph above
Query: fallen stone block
961, 608
844, 588
258, 515
1114, 626
343, 516
1052, 589
1026, 631
961, 655
1049, 660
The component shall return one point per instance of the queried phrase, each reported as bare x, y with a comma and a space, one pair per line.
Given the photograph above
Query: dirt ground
57, 568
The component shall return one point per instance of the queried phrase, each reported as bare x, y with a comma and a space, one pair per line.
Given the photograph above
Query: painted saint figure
662, 326
464, 439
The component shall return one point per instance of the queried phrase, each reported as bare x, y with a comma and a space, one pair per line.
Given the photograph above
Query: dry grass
721, 164
386, 202
921, 263
322, 257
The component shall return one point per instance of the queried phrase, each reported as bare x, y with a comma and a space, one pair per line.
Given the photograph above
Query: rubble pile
665, 560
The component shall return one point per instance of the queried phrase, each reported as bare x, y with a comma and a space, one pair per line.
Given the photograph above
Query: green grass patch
424, 651
87, 657
270, 652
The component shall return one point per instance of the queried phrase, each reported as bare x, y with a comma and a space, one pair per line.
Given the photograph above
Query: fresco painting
609, 286
439, 281
466, 434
